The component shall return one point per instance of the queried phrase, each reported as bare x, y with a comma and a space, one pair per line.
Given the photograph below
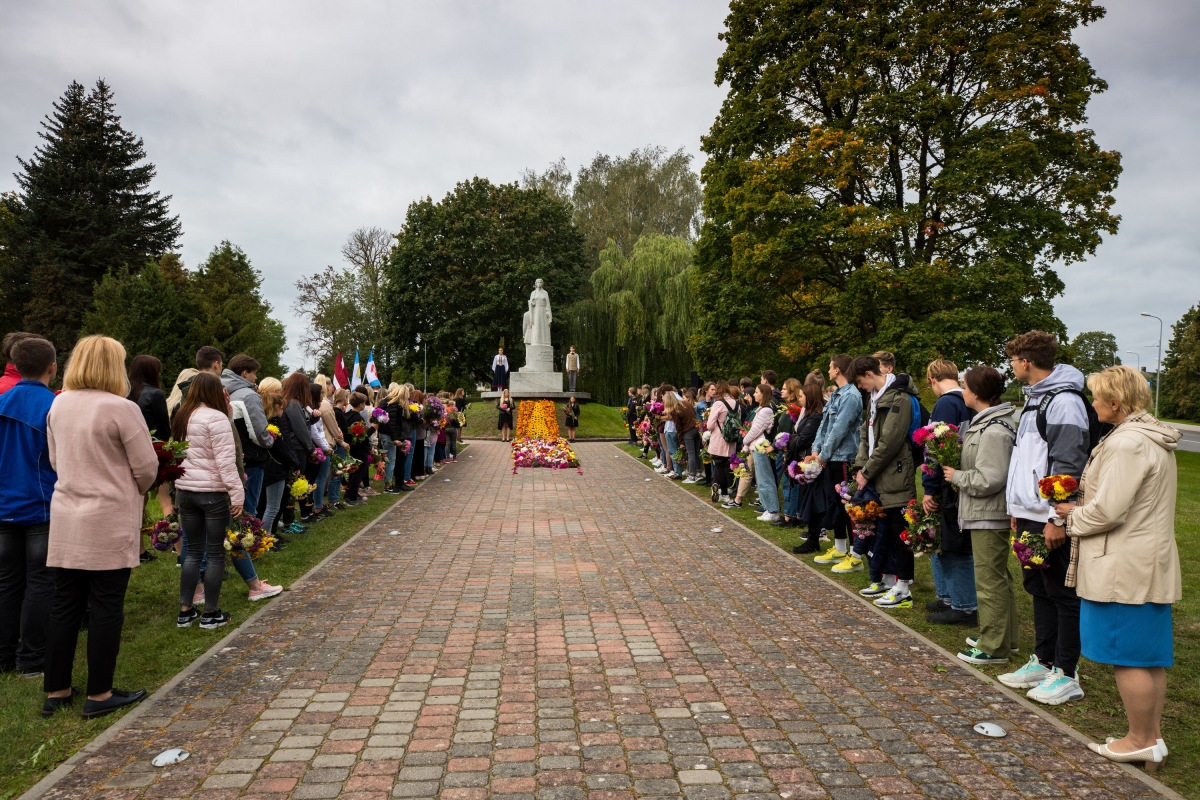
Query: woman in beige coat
100, 447
1124, 563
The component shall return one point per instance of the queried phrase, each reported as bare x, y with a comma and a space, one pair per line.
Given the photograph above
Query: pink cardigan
717, 412
100, 447
211, 462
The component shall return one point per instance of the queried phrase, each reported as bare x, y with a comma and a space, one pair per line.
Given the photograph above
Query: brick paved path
555, 636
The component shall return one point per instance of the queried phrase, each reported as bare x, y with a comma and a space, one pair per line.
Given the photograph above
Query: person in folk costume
499, 370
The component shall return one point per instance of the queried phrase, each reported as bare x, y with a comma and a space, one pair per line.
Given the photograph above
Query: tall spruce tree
83, 209
233, 315
1181, 369
895, 174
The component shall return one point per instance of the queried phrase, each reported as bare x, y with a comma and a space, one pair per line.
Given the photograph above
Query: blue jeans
764, 478
430, 447
253, 487
672, 446
322, 481
958, 572
333, 492
791, 499
940, 587
408, 457
274, 503
389, 446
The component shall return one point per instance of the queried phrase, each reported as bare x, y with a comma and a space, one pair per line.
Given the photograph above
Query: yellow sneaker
851, 563
830, 556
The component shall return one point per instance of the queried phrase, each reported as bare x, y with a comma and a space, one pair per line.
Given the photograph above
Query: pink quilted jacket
211, 463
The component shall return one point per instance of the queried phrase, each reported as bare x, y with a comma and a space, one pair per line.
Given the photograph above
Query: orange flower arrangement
537, 419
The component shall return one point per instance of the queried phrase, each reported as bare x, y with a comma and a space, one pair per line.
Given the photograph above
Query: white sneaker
895, 598
654, 462
1028, 676
689, 479
768, 516
973, 641
1056, 688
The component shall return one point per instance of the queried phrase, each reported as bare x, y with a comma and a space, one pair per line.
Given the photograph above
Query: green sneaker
976, 656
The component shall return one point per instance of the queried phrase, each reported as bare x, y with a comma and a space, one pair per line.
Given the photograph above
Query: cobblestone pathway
555, 636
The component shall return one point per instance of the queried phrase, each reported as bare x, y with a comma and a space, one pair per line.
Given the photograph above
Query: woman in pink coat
718, 448
207, 494
100, 447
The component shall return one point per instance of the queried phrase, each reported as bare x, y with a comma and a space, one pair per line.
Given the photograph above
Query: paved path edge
1025, 702
62, 770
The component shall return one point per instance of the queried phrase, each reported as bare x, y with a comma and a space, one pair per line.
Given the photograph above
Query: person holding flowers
1052, 439
835, 448
333, 435
809, 495
762, 452
979, 480
281, 459
316, 470
145, 389
504, 421
953, 569
359, 436
1124, 563
723, 442
210, 494
571, 417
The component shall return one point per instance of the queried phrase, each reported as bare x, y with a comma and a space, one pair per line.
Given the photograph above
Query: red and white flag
341, 378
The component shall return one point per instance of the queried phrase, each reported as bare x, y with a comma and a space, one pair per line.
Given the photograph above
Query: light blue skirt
1127, 635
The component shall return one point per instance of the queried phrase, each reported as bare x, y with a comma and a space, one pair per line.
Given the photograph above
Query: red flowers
170, 455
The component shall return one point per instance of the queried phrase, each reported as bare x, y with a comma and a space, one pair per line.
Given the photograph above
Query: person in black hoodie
811, 502
399, 427
280, 459
297, 395
358, 449
953, 567
145, 389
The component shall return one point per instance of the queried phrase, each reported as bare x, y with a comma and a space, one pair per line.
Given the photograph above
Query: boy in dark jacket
953, 567
26, 583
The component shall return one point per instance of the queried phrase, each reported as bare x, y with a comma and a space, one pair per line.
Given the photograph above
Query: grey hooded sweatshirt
1064, 451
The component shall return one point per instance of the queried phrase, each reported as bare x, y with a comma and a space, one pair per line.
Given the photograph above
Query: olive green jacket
891, 466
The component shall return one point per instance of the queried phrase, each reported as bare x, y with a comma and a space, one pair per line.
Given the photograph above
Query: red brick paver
552, 635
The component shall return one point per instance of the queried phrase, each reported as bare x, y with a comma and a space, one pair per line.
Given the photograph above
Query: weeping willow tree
635, 326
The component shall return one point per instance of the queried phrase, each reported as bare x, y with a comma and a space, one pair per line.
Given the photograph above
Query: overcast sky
284, 126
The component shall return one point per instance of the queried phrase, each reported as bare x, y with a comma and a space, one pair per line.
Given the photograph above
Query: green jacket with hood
890, 465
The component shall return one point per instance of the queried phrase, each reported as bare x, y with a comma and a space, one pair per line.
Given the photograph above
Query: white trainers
895, 598
661, 470
655, 462
1028, 676
973, 641
1056, 688
767, 516
689, 479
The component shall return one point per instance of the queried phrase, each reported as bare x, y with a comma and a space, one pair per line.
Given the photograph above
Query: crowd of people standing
83, 463
1105, 570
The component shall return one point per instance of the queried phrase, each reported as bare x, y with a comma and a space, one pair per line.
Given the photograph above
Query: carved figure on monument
536, 323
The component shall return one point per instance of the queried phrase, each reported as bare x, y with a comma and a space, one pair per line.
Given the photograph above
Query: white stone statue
537, 319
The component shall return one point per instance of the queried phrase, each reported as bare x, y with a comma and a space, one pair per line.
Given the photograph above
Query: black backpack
1097, 430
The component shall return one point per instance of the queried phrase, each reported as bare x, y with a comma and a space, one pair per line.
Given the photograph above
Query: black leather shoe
53, 704
937, 605
119, 700
953, 617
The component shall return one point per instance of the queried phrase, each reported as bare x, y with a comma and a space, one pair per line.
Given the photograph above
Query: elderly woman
1124, 563
100, 447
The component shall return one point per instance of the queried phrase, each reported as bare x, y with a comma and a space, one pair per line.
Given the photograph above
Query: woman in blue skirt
1124, 562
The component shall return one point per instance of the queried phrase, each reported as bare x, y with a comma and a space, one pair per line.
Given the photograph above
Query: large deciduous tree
636, 324
1093, 351
462, 269
83, 209
896, 174
1181, 369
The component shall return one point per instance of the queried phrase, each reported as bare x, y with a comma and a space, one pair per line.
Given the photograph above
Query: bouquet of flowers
680, 456
654, 409
413, 408
317, 456
805, 472
274, 432
434, 412
301, 487
763, 446
379, 416
462, 418
864, 516
358, 432
404, 447
246, 538
505, 407
537, 452
705, 436
165, 533
170, 455
1058, 488
781, 441
1030, 549
737, 465
794, 411
646, 431
706, 457
942, 446
343, 466
922, 532
380, 465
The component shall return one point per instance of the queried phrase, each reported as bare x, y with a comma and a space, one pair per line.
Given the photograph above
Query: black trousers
26, 591
362, 476
721, 475
205, 518
835, 517
102, 592
1055, 607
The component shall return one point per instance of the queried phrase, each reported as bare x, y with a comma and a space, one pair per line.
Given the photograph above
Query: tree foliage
896, 174
1093, 351
637, 322
1181, 369
462, 269
232, 314
83, 209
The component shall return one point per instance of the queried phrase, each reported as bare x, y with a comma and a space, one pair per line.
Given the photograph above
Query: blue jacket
837, 438
951, 408
29, 480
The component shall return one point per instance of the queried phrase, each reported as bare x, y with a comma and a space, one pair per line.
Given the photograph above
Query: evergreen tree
83, 208
896, 174
233, 316
1181, 369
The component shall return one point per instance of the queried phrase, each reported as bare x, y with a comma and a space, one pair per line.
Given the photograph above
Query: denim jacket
837, 438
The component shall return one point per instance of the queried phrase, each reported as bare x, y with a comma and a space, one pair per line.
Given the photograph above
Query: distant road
1191, 437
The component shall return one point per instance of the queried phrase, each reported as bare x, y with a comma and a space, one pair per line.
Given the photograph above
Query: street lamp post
1138, 356
1158, 365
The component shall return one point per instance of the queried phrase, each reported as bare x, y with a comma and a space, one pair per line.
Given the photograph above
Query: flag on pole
356, 378
341, 379
371, 375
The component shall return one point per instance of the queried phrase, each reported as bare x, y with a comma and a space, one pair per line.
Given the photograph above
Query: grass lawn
1100, 714
152, 648
595, 421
